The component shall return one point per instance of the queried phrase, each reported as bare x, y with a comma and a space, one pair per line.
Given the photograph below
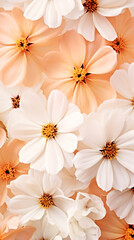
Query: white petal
35, 9
121, 176
70, 122
112, 104
126, 140
108, 12
30, 152
56, 106
5, 100
119, 82
52, 17
58, 217
35, 214
54, 157
63, 202
64, 7
131, 76
105, 175
34, 107
77, 10
86, 27
126, 158
51, 183
104, 27
67, 141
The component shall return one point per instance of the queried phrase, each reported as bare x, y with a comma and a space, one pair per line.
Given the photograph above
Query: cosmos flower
77, 71
22, 43
10, 167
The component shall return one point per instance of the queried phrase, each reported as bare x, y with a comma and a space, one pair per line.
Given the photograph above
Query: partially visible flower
94, 16
122, 203
3, 134
77, 70
123, 44
87, 208
113, 228
123, 82
49, 127
38, 196
10, 167
18, 234
22, 44
108, 152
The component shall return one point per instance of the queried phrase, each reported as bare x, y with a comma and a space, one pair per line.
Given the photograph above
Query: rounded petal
70, 122
126, 158
35, 9
67, 141
86, 21
52, 17
2, 137
105, 175
103, 61
64, 7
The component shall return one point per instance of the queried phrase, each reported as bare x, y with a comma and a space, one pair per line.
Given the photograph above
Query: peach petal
14, 70
56, 66
103, 61
73, 46
3, 192
2, 137
84, 98
19, 234
9, 31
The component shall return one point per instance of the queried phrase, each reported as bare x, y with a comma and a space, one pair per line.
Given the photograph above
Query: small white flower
94, 15
87, 208
38, 196
123, 82
49, 127
122, 203
108, 153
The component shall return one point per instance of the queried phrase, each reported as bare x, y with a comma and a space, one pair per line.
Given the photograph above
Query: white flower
38, 196
87, 208
108, 153
94, 16
122, 203
49, 127
123, 82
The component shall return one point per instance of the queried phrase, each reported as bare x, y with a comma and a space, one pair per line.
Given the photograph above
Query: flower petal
126, 158
70, 122
35, 9
84, 21
64, 7
67, 141
52, 17
2, 137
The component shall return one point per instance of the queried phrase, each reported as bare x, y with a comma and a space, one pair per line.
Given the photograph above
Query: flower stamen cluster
110, 150
91, 5
118, 44
129, 235
46, 201
23, 44
7, 172
49, 131
16, 101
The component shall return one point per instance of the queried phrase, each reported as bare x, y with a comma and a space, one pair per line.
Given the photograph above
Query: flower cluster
66, 119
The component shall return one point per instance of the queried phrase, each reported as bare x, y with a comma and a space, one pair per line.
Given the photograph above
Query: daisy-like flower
17, 234
38, 196
49, 127
113, 228
10, 167
123, 44
51, 10
22, 43
87, 208
77, 71
122, 203
123, 82
94, 15
108, 152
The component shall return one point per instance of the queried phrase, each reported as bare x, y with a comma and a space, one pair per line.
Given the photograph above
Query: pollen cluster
109, 151
46, 201
79, 74
91, 5
49, 131
118, 44
16, 101
7, 172
129, 235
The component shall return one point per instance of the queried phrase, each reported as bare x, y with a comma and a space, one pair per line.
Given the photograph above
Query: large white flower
122, 203
51, 10
87, 208
123, 82
38, 196
108, 153
49, 127
94, 15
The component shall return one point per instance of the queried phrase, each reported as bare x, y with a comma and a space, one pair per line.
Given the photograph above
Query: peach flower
17, 234
124, 43
10, 167
22, 43
77, 70
112, 228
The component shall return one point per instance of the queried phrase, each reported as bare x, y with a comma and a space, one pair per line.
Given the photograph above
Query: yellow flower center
16, 101
7, 172
110, 150
132, 102
80, 74
118, 44
46, 201
49, 131
91, 5
129, 234
23, 44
